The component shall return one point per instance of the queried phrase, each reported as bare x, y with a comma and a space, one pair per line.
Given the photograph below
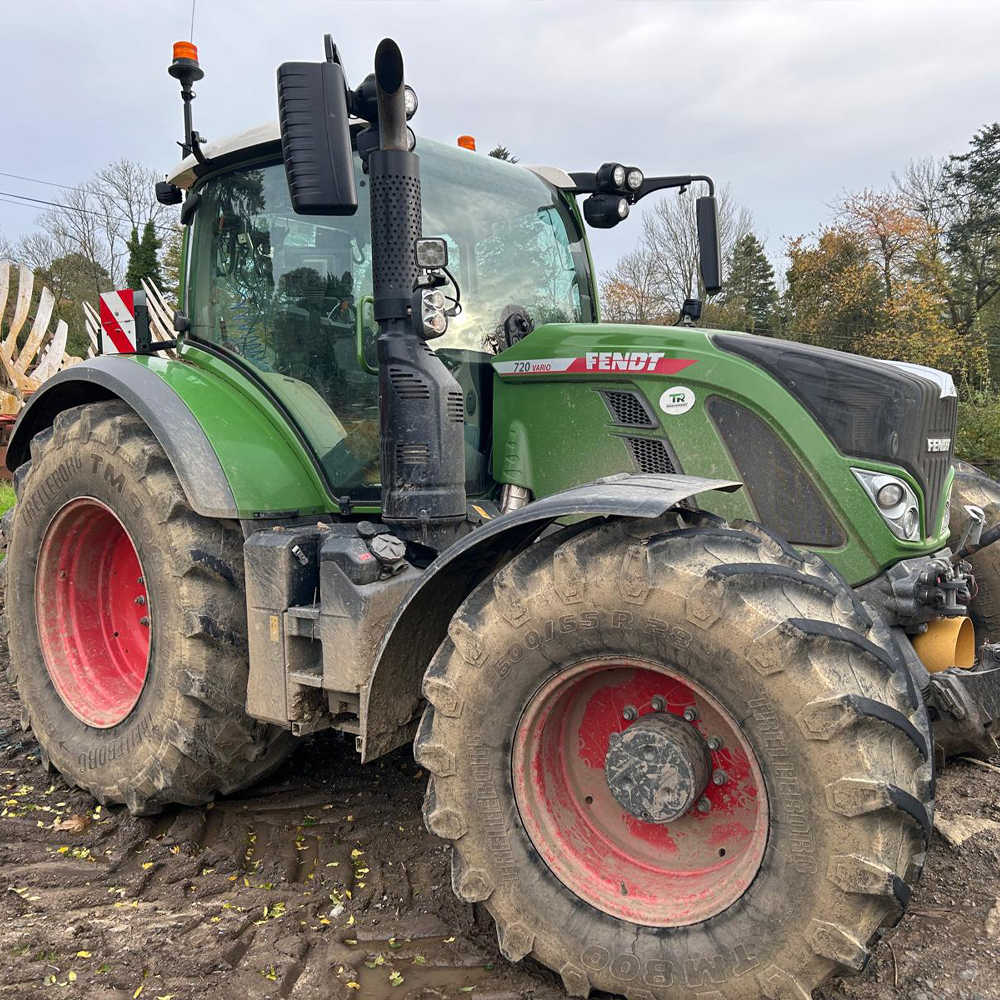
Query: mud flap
391, 700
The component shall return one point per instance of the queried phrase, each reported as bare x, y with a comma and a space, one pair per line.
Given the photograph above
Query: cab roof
239, 145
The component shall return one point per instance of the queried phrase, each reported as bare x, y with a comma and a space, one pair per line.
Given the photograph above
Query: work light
410, 98
634, 179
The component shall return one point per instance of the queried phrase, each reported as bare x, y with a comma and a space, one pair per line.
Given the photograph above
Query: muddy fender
390, 702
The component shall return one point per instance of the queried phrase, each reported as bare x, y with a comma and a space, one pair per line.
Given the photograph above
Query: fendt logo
622, 361
938, 444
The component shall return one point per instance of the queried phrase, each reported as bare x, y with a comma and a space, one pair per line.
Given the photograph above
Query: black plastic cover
316, 138
783, 495
869, 408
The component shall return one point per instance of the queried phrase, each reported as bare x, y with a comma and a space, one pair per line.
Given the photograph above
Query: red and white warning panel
118, 322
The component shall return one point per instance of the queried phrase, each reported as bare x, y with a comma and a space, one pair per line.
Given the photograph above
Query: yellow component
948, 642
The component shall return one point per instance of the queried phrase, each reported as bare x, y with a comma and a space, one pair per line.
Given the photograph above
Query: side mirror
316, 138
707, 214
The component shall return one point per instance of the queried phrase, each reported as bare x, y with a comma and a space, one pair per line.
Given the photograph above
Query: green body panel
553, 430
267, 466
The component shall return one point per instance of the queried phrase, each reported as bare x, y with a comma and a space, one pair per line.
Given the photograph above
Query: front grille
871, 409
939, 419
628, 409
650, 455
782, 493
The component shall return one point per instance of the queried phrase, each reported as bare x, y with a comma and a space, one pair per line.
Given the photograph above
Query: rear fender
214, 428
390, 701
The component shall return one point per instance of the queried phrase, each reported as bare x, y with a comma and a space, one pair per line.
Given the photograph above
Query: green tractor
395, 478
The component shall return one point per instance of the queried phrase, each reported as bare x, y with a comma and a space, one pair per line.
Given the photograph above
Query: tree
170, 263
143, 262
971, 194
750, 287
834, 291
670, 234
73, 279
97, 217
631, 292
501, 152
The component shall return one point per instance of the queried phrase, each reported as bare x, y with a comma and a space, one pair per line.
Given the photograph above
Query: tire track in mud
323, 877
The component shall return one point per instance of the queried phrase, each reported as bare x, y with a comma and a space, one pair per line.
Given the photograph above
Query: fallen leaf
83, 954
75, 824
137, 992
353, 985
71, 977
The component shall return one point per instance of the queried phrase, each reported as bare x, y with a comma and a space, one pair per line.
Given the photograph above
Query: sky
791, 104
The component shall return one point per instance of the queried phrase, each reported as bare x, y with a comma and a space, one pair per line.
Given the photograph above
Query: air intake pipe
421, 405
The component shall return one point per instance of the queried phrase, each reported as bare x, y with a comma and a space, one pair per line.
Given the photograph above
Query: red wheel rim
657, 875
93, 613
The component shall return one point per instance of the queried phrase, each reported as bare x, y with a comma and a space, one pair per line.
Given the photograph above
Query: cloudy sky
791, 103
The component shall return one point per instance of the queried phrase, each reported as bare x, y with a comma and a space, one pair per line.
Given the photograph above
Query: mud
322, 883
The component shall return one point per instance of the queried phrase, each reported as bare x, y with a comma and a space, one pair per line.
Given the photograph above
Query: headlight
894, 500
634, 179
890, 495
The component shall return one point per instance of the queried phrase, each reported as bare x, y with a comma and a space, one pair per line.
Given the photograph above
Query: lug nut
659, 703
714, 743
140, 599
690, 714
720, 778
630, 713
703, 805
144, 621
141, 581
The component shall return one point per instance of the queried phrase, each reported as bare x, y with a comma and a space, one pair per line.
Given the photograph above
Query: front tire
127, 620
824, 739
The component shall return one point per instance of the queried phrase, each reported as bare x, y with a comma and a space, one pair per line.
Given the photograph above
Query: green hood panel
555, 426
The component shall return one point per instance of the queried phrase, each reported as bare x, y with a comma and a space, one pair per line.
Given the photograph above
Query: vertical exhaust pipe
421, 405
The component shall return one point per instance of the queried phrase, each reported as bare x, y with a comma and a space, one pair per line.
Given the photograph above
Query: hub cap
658, 767
92, 612
645, 814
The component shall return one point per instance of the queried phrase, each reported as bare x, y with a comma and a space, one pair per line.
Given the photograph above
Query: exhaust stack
421, 405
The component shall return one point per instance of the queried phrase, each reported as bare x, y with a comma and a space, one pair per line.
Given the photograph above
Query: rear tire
818, 690
973, 486
187, 736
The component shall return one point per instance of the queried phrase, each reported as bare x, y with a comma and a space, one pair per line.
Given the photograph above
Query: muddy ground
322, 883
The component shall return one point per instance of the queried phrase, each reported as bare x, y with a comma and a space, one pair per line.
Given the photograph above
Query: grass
6, 496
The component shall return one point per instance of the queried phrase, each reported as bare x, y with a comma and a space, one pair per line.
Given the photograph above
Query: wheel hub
658, 767
604, 741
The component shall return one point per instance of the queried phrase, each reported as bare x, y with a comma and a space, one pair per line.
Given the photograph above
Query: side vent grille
650, 455
628, 409
412, 454
456, 406
409, 385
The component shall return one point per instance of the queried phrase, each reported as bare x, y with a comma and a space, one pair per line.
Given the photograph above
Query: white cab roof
183, 174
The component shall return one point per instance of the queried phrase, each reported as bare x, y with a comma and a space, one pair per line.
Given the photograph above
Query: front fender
234, 454
391, 699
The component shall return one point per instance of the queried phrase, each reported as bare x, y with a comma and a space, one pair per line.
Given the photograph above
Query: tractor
666, 613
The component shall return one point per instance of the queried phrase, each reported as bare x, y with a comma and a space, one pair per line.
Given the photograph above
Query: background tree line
107, 232
911, 273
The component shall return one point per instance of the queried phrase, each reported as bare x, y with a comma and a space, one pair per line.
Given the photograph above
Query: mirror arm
585, 182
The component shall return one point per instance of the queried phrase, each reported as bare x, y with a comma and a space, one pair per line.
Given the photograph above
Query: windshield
284, 292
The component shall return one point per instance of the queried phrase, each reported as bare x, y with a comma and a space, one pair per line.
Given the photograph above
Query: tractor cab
290, 296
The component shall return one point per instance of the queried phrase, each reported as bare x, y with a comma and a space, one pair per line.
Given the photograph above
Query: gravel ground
323, 883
